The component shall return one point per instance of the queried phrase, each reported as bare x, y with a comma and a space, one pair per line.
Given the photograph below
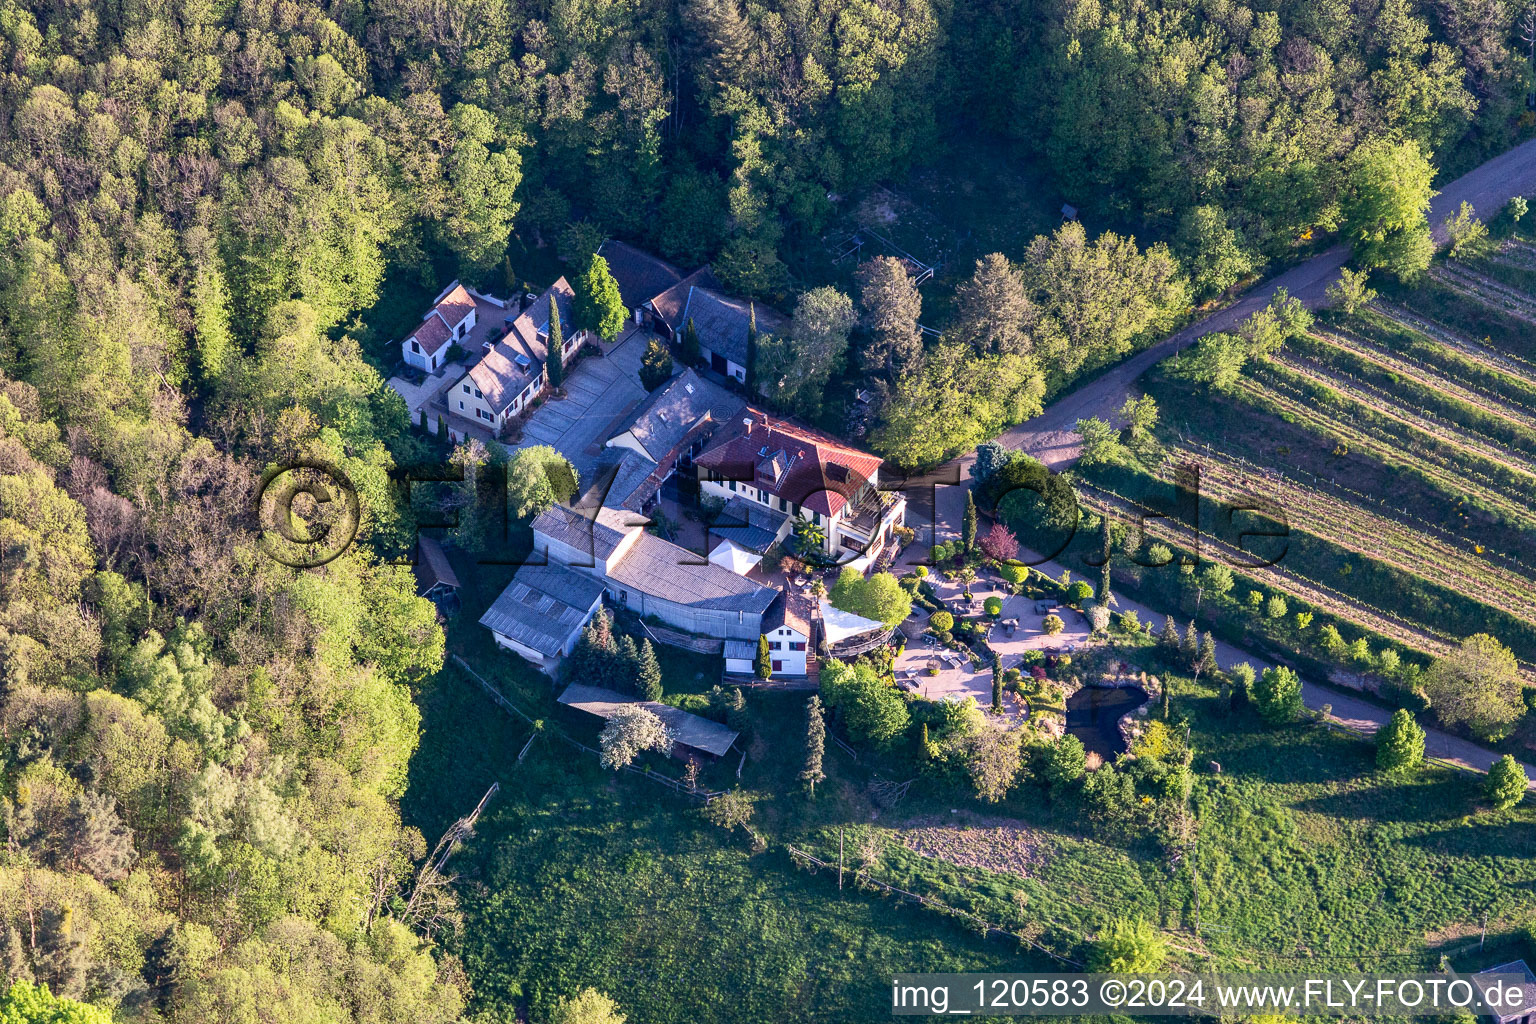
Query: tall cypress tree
1106, 595
997, 682
968, 528
1168, 640
650, 672
815, 744
763, 666
556, 360
751, 348
691, 351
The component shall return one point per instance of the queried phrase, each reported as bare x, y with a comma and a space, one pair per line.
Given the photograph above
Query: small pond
1093, 716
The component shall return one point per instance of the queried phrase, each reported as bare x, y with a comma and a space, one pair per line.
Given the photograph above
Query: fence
804, 859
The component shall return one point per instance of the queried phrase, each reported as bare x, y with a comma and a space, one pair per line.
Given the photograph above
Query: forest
202, 751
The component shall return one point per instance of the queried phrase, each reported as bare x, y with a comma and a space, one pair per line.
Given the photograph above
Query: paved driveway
600, 390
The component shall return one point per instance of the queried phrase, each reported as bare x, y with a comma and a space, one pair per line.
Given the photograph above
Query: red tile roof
793, 462
454, 306
433, 334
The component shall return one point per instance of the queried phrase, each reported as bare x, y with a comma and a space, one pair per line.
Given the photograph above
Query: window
775, 645
415, 347
778, 666
466, 391
461, 405
797, 645
478, 394
733, 485
815, 517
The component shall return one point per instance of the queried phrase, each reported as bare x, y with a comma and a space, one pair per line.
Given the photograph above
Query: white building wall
787, 661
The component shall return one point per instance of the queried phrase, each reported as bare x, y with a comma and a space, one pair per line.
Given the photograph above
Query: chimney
747, 422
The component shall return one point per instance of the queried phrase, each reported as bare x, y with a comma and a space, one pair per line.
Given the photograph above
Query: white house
805, 474
513, 372
453, 315
788, 633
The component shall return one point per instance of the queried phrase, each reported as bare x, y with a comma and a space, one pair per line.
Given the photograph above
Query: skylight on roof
522, 360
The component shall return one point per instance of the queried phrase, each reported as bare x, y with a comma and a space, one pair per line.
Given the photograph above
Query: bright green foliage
1277, 695
880, 597
954, 401
1384, 207
1128, 946
598, 307
1211, 251
26, 1003
1275, 607
794, 368
1079, 591
1506, 783
589, 1006
1399, 743
537, 477
1351, 292
762, 665
870, 706
1468, 235
648, 673
483, 172
656, 367
555, 363
815, 744
1478, 686
1052, 624
941, 622
1065, 761
994, 606
968, 523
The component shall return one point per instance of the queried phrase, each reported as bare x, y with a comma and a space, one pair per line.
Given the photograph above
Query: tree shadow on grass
1380, 797
1497, 836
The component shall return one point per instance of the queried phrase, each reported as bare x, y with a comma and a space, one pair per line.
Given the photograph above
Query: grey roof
432, 566
543, 606
740, 650
669, 304
599, 534
1520, 975
748, 525
517, 360
687, 729
628, 479
668, 414
639, 275
663, 570
722, 321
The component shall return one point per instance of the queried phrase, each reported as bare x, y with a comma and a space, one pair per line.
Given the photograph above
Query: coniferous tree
556, 361
1168, 640
1399, 743
649, 672
1189, 646
625, 671
1105, 595
762, 667
751, 381
1205, 661
815, 744
997, 682
692, 353
968, 527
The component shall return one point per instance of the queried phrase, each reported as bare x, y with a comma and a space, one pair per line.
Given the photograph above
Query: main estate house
707, 442
508, 349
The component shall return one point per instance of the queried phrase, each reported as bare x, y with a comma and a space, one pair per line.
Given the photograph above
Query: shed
691, 734
541, 613
1068, 211
1516, 974
434, 576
